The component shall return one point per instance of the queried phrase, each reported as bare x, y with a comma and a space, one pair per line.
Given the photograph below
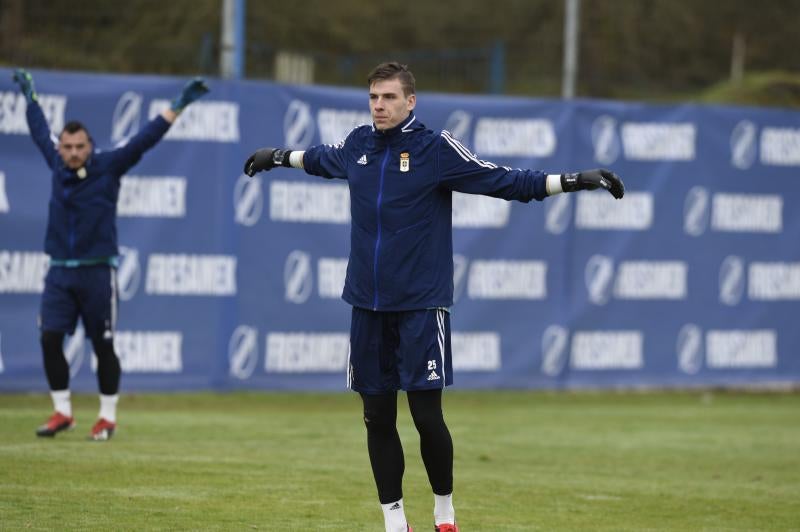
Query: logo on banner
747, 212
554, 350
742, 348
184, 274
214, 121
13, 107
472, 210
298, 125
599, 211
127, 113
152, 196
3, 197
513, 137
248, 200
335, 124
743, 145
557, 212
605, 139
458, 124
331, 273
460, 267
297, 277
689, 348
306, 352
599, 276
773, 281
476, 351
696, 211
75, 350
507, 279
243, 352
129, 273
309, 202
659, 141
22, 271
780, 146
731, 280
148, 351
605, 350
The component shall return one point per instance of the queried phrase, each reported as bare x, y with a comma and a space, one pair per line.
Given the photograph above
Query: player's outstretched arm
586, 180
128, 155
266, 159
193, 90
37, 124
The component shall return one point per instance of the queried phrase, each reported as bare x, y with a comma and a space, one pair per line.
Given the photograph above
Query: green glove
24, 79
193, 90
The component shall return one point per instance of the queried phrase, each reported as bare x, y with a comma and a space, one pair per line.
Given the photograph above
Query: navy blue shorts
88, 292
392, 351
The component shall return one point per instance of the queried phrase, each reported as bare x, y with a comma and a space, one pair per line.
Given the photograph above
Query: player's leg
425, 368
56, 367
58, 315
436, 447
386, 456
373, 373
98, 302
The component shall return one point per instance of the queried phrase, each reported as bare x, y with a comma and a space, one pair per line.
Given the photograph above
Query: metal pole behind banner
572, 10
231, 63
497, 69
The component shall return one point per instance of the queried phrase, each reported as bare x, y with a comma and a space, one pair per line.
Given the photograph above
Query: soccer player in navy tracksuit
81, 241
399, 281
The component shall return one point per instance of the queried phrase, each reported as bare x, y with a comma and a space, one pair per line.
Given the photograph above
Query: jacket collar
72, 174
406, 126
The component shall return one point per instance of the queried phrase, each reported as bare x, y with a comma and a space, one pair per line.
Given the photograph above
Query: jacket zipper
70, 224
378, 240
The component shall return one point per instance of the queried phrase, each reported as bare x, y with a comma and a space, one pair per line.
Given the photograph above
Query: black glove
593, 179
266, 159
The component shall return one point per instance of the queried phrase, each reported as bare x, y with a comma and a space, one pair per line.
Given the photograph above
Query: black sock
383, 444
435, 442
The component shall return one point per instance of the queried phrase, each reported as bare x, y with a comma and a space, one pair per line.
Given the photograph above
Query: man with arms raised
399, 281
81, 241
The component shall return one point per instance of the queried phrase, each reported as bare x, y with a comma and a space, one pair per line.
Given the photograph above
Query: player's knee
379, 417
429, 421
426, 411
375, 421
52, 343
103, 348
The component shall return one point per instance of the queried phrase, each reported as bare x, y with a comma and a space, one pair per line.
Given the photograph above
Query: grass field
524, 461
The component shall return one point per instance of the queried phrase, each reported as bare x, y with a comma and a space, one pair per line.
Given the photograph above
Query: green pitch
524, 461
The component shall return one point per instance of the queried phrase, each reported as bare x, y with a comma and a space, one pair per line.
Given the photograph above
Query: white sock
443, 511
394, 516
61, 401
108, 407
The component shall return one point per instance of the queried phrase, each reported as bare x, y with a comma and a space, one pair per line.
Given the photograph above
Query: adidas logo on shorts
433, 376
362, 160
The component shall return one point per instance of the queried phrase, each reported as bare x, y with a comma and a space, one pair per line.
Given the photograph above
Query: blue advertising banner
227, 282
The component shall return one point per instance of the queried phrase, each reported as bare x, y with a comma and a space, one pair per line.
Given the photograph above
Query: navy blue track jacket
401, 182
82, 223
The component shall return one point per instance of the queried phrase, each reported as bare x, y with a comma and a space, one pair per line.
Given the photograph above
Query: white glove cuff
553, 184
296, 159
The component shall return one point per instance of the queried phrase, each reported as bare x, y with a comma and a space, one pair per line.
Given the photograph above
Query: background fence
626, 50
